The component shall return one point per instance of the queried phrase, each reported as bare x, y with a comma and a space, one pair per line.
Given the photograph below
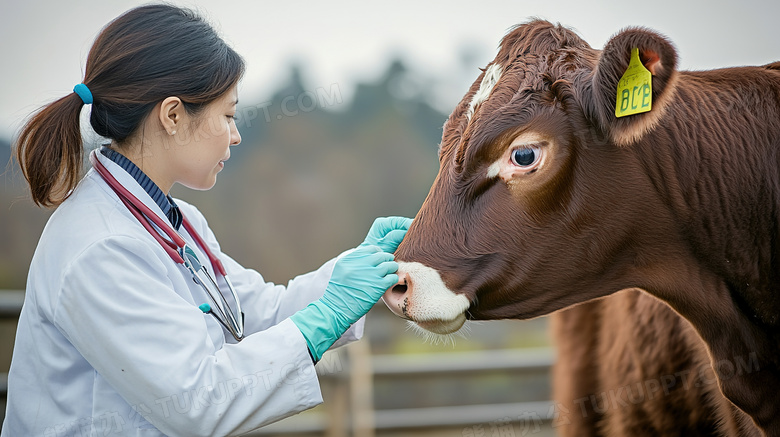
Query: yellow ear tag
635, 89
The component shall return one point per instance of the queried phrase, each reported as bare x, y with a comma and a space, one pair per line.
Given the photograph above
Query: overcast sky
44, 44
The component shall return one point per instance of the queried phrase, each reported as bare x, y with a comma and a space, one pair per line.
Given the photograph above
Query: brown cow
545, 200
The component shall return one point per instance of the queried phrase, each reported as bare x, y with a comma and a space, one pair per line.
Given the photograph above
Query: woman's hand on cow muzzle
358, 280
387, 233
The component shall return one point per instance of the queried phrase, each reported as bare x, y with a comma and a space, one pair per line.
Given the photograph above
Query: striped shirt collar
165, 202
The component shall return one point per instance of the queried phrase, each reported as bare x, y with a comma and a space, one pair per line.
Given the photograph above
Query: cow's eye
525, 156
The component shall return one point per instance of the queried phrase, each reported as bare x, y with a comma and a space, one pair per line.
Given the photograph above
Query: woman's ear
659, 57
172, 114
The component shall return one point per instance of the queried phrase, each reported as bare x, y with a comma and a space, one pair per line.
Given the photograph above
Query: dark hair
140, 58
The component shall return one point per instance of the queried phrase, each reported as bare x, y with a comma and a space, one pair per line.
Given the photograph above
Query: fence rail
11, 303
466, 364
526, 359
358, 374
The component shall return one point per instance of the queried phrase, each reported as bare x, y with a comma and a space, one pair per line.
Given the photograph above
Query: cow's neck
724, 273
721, 184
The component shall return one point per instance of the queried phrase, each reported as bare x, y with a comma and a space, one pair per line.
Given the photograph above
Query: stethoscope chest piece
231, 320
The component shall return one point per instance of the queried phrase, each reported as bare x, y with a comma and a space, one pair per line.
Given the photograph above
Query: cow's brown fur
682, 202
631, 366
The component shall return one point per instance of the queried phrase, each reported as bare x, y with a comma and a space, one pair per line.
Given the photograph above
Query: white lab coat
111, 341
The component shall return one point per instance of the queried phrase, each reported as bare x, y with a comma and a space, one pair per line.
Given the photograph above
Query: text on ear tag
635, 88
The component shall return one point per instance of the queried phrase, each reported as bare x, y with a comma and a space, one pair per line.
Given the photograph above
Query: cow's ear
659, 56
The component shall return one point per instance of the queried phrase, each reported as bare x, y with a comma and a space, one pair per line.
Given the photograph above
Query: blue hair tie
84, 93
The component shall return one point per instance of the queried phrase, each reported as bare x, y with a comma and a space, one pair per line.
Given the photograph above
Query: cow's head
539, 203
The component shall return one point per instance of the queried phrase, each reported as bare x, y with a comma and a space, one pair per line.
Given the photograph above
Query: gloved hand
387, 233
359, 279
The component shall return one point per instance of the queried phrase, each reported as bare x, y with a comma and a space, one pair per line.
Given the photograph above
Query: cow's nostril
398, 297
404, 286
400, 289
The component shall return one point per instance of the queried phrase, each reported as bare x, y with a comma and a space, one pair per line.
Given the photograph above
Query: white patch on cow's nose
489, 81
430, 303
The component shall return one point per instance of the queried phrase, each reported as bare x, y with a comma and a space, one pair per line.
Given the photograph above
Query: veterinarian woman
134, 322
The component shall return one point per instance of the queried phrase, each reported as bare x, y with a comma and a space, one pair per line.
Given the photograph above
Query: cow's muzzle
422, 297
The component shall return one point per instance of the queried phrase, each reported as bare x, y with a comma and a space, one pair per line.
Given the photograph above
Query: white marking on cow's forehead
489, 81
494, 169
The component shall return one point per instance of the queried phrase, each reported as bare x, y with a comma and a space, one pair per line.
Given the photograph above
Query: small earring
173, 132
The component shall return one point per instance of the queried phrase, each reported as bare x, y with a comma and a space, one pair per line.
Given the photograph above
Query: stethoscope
182, 254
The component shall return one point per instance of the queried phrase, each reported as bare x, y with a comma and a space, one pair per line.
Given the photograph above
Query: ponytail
49, 151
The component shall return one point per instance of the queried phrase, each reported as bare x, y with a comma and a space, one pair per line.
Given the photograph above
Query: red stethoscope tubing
177, 248
139, 210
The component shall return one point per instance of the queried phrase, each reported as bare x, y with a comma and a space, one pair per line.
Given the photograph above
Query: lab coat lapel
129, 183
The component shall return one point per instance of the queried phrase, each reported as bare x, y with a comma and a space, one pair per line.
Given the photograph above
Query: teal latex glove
387, 233
359, 279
